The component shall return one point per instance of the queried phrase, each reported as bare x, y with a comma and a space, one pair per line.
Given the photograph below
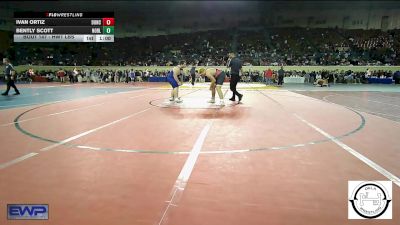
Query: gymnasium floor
116, 154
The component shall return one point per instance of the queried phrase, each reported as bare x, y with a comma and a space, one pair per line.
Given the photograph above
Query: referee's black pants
233, 83
11, 83
280, 80
193, 78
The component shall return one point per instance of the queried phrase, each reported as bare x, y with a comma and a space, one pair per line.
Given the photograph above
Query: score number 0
108, 21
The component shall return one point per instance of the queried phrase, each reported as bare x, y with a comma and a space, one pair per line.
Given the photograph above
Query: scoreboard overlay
64, 26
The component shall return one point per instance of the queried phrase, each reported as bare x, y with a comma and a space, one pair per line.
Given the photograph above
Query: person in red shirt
268, 76
61, 75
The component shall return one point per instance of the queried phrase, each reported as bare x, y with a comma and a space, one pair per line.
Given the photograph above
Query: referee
236, 66
10, 76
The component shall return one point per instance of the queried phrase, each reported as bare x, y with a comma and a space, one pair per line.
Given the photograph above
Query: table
380, 80
297, 80
157, 79
39, 79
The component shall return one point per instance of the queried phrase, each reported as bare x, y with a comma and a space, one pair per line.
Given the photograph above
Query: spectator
132, 75
268, 76
396, 77
281, 74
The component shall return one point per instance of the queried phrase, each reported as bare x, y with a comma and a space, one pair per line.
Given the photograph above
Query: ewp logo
370, 200
28, 212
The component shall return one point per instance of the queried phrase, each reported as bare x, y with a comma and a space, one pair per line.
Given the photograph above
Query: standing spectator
132, 75
105, 77
281, 74
126, 76
331, 77
357, 78
71, 76
75, 74
120, 74
268, 76
306, 78
396, 77
100, 75
61, 75
193, 74
312, 77
116, 77
87, 75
